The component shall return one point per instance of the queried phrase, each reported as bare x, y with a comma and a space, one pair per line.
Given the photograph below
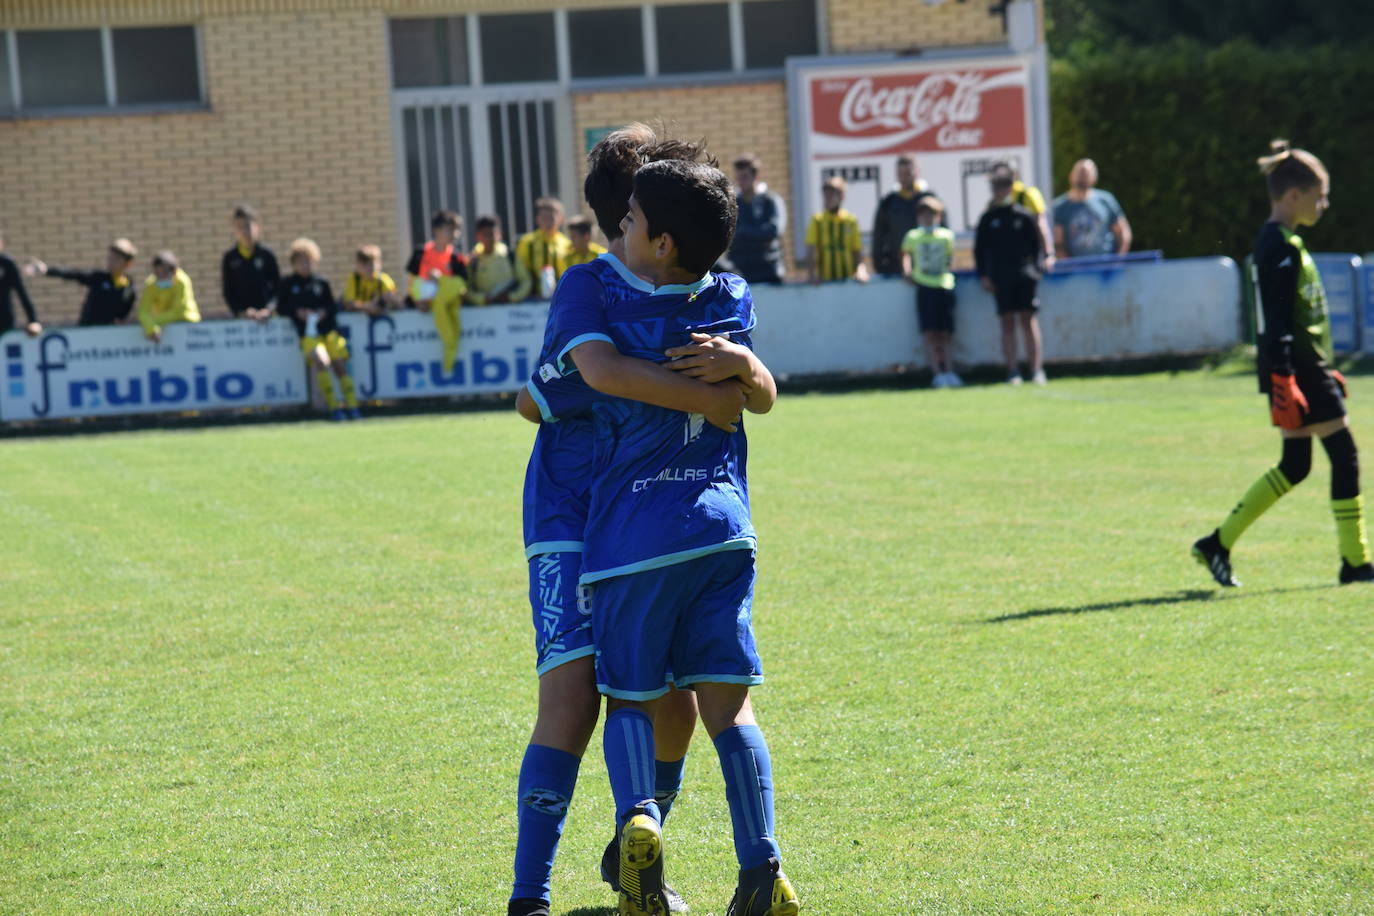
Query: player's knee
1296, 462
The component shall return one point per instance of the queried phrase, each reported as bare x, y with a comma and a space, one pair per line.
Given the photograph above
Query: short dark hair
579, 223
486, 221
166, 258
611, 167
246, 211
548, 203
441, 218
694, 203
1289, 168
747, 161
929, 204
1002, 173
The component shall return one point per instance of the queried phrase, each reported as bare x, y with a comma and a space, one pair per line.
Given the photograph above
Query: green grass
288, 668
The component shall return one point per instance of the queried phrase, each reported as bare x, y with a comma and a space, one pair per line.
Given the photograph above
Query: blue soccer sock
748, 772
667, 783
547, 778
628, 742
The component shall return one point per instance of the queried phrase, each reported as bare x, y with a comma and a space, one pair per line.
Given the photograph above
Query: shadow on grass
592, 911
1182, 596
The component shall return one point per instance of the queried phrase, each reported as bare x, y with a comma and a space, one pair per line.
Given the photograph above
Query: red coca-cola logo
958, 108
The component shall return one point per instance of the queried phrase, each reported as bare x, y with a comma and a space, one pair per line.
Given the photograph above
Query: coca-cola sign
913, 111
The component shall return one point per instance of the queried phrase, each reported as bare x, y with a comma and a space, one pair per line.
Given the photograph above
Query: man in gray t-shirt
1088, 221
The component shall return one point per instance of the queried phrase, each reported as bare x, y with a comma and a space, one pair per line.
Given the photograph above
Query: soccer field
288, 668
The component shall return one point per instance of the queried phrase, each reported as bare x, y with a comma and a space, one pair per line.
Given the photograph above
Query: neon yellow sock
349, 392
448, 317
1262, 494
325, 379
1349, 515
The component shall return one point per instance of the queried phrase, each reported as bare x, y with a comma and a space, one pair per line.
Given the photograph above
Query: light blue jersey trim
633, 279
561, 360
668, 559
749, 680
683, 289
563, 658
544, 410
632, 694
542, 547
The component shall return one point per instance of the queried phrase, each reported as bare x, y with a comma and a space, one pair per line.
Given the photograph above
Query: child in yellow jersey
438, 279
581, 247
167, 297
927, 259
835, 250
539, 255
305, 298
491, 275
369, 288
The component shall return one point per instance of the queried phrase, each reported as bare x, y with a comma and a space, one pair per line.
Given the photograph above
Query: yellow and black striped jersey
835, 244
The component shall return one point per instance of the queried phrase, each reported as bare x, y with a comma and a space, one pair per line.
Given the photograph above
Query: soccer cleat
641, 867
1013, 378
764, 891
939, 381
1349, 574
354, 413
1039, 378
610, 873
528, 906
337, 415
953, 380
1209, 552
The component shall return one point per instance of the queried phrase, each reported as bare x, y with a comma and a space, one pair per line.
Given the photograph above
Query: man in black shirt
1009, 252
896, 216
249, 269
12, 284
756, 251
110, 294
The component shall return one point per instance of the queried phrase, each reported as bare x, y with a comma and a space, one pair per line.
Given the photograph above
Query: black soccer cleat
1349, 574
764, 891
610, 873
527, 906
1209, 552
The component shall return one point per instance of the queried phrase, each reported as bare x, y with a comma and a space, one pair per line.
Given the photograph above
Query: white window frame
112, 105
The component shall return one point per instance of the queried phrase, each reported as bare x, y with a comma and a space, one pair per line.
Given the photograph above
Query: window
518, 48
777, 29
693, 38
606, 42
156, 65
429, 52
62, 68
99, 68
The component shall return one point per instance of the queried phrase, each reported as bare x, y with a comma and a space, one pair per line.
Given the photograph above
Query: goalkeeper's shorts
1323, 393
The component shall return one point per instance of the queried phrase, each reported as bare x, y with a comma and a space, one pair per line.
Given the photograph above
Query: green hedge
1176, 129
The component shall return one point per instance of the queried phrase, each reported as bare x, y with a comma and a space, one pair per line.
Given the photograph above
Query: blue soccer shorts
687, 623
562, 610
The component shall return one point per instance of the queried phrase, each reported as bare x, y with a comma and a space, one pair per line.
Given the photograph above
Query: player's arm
608, 371
715, 359
1278, 291
1060, 248
1122, 230
856, 245
525, 406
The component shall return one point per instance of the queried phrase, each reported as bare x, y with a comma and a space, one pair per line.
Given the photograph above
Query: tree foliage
1175, 130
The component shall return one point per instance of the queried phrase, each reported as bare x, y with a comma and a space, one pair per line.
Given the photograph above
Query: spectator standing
756, 252
249, 272
1088, 221
896, 217
369, 288
1029, 198
1008, 250
12, 284
167, 297
581, 247
928, 263
541, 253
491, 275
110, 294
835, 250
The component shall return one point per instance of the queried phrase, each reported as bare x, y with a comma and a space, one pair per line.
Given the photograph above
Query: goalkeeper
1306, 396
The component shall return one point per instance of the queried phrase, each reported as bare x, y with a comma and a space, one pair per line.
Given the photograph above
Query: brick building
349, 120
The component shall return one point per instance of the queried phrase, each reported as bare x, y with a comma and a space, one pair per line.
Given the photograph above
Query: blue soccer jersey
668, 487
559, 475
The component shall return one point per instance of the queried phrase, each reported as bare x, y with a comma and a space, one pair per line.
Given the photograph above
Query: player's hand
986, 283
1340, 380
154, 334
1287, 404
35, 268
1048, 264
861, 274
33, 329
730, 397
710, 359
